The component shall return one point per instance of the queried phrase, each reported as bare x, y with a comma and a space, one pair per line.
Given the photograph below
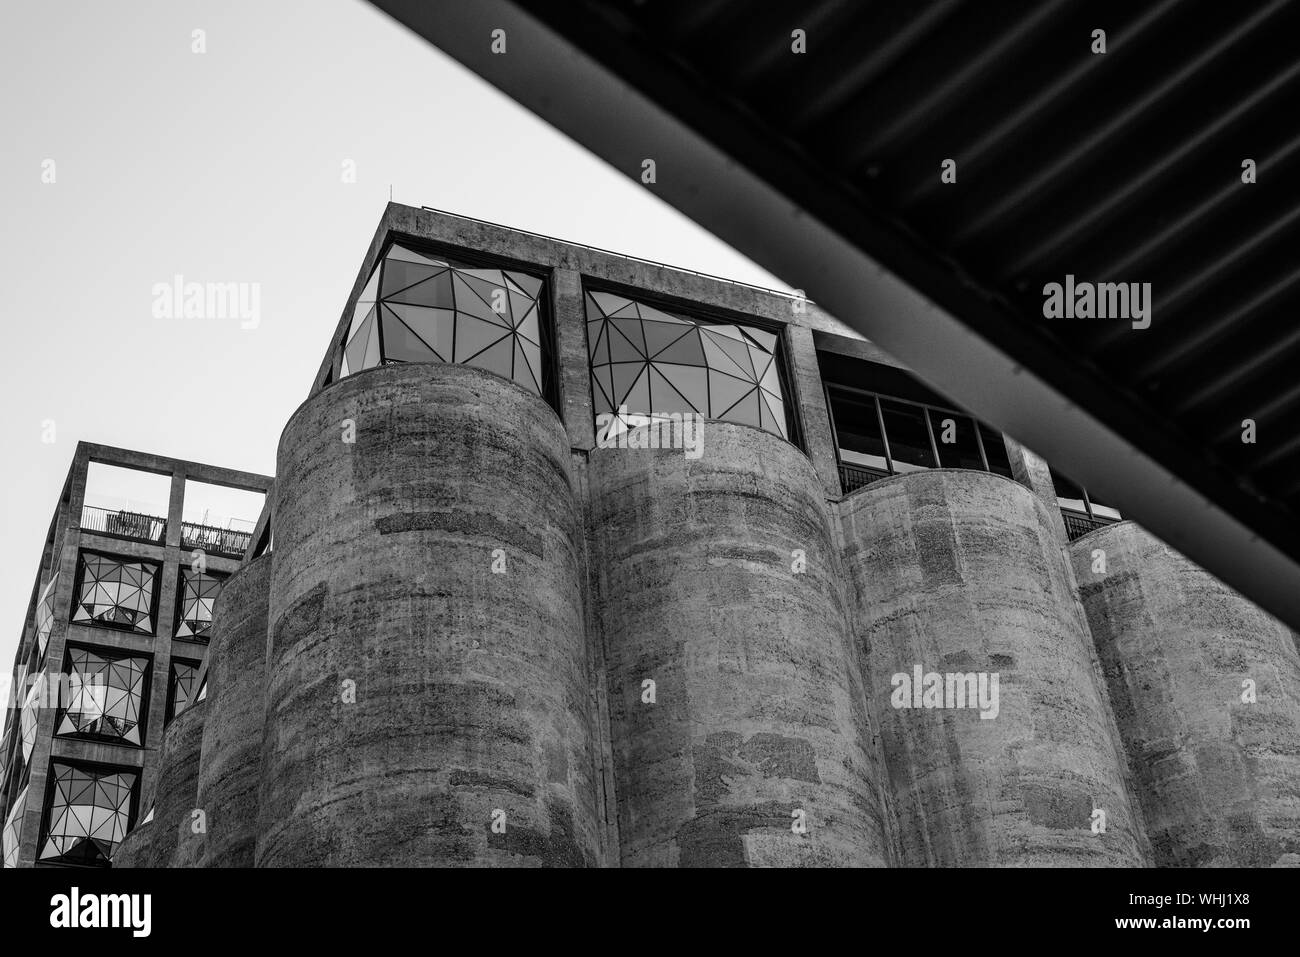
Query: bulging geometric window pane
423, 308
89, 814
30, 715
13, 830
651, 364
180, 687
45, 616
106, 696
199, 591
115, 592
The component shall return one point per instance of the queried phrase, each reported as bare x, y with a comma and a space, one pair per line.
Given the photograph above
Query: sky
129, 159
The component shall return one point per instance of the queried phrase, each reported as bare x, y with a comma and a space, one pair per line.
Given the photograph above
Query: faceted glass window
180, 686
198, 592
89, 814
13, 830
30, 715
425, 308
107, 696
115, 592
45, 616
647, 363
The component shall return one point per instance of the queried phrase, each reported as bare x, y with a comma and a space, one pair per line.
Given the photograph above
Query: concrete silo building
573, 559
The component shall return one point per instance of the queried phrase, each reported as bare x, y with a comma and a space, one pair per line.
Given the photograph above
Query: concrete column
1031, 470
810, 399
572, 360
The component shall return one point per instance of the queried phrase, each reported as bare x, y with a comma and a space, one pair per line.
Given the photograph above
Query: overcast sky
226, 166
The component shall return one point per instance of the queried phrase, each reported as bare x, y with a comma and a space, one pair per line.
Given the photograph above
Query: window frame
704, 314
884, 434
113, 653
463, 259
154, 601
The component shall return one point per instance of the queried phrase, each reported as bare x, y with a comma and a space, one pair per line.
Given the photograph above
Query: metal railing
854, 477
217, 541
1078, 524
123, 524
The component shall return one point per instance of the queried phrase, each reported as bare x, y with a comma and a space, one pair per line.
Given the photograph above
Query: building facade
578, 560
116, 632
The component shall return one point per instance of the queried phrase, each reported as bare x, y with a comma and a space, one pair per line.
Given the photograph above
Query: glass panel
962, 451
116, 593
106, 696
90, 811
909, 441
858, 430
995, 450
1101, 510
1068, 494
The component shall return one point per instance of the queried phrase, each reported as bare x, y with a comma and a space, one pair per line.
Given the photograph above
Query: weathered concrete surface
471, 688
136, 848
175, 844
232, 732
1218, 778
961, 572
759, 709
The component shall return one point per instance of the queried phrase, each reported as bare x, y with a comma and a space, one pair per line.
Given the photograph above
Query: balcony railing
123, 524
854, 477
217, 541
1078, 524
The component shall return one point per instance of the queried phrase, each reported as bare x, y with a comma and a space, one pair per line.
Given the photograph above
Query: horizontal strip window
880, 435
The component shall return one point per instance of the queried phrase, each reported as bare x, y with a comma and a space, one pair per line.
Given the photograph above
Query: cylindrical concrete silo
959, 573
428, 692
1206, 689
718, 580
136, 848
175, 842
235, 705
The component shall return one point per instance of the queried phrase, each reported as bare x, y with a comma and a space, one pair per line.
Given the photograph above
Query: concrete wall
413, 692
759, 710
962, 572
236, 702
1218, 777
136, 848
174, 842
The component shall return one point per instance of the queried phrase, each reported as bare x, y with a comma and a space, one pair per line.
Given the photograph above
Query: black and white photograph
820, 436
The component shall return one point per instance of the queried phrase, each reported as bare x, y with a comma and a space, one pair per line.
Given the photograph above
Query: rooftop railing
231, 542
120, 523
1077, 524
854, 477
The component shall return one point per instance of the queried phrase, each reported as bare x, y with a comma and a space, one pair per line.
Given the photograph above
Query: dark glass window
180, 686
108, 696
857, 425
995, 451
116, 592
909, 439
198, 592
424, 307
955, 440
904, 429
650, 363
1081, 511
88, 812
